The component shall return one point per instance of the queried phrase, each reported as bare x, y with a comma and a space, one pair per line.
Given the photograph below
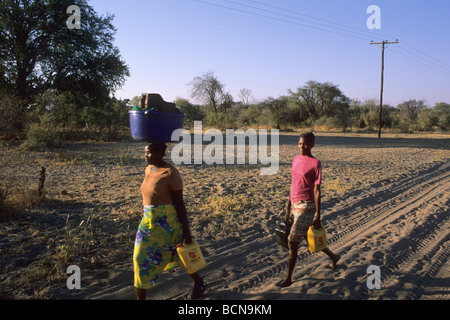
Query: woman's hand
178, 202
186, 237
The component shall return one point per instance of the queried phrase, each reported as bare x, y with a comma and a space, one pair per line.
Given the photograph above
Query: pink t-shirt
306, 172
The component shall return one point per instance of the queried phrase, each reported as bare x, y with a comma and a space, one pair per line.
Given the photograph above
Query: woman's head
154, 152
306, 143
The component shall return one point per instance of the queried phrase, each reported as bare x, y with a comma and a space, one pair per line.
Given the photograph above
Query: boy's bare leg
334, 257
293, 247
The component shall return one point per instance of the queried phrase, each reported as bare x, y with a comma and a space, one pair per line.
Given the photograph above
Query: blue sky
271, 46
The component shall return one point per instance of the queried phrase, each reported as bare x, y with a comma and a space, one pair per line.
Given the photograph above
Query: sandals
197, 291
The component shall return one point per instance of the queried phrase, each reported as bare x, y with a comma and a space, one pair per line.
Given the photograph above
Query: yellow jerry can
191, 257
317, 239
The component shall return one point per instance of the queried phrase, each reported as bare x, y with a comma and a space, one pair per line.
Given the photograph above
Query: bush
60, 109
220, 120
13, 199
105, 121
39, 136
13, 120
444, 122
192, 112
329, 123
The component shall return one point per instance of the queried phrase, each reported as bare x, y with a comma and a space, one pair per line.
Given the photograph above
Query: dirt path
401, 225
385, 203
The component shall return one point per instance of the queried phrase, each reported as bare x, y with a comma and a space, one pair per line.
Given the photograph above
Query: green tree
316, 100
408, 114
442, 113
410, 109
277, 111
38, 52
307, 100
192, 112
11, 123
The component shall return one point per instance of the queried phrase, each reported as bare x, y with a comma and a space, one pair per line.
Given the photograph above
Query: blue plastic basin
151, 125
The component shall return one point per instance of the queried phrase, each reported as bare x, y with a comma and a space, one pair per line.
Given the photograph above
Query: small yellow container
317, 239
191, 257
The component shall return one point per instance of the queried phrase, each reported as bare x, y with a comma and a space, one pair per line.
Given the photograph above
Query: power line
365, 33
424, 56
443, 71
325, 25
358, 32
283, 20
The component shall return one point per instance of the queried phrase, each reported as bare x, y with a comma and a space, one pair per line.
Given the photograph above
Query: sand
384, 203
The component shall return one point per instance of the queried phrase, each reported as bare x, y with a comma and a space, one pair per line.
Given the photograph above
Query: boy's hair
309, 138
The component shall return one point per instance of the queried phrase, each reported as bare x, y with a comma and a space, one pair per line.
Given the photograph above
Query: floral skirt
155, 248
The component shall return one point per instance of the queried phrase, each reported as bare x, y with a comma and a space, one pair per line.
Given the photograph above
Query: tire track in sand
395, 204
249, 268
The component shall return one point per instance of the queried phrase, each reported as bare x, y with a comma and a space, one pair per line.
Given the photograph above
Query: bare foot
335, 260
285, 283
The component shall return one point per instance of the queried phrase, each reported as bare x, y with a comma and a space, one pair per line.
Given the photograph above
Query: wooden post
41, 183
382, 83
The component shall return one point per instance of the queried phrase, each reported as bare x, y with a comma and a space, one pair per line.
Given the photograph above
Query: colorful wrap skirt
155, 248
303, 213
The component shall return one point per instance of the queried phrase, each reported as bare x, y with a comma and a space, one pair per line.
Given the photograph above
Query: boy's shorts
303, 212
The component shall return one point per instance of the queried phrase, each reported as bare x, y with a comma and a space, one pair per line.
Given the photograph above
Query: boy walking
304, 201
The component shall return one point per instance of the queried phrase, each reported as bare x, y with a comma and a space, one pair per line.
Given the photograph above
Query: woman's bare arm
178, 202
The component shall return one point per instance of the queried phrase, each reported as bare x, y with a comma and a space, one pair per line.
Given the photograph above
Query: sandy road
402, 227
385, 203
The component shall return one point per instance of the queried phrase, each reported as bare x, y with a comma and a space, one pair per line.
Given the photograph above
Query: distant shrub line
55, 118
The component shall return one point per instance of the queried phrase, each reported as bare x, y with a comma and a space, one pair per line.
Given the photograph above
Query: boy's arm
288, 208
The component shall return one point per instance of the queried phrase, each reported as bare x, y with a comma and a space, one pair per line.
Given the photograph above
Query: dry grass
223, 208
13, 200
338, 186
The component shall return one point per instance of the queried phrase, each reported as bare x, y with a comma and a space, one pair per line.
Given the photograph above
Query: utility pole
382, 80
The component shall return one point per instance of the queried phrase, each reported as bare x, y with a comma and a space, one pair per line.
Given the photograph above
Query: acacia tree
245, 95
306, 98
316, 100
409, 110
277, 111
442, 111
208, 89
